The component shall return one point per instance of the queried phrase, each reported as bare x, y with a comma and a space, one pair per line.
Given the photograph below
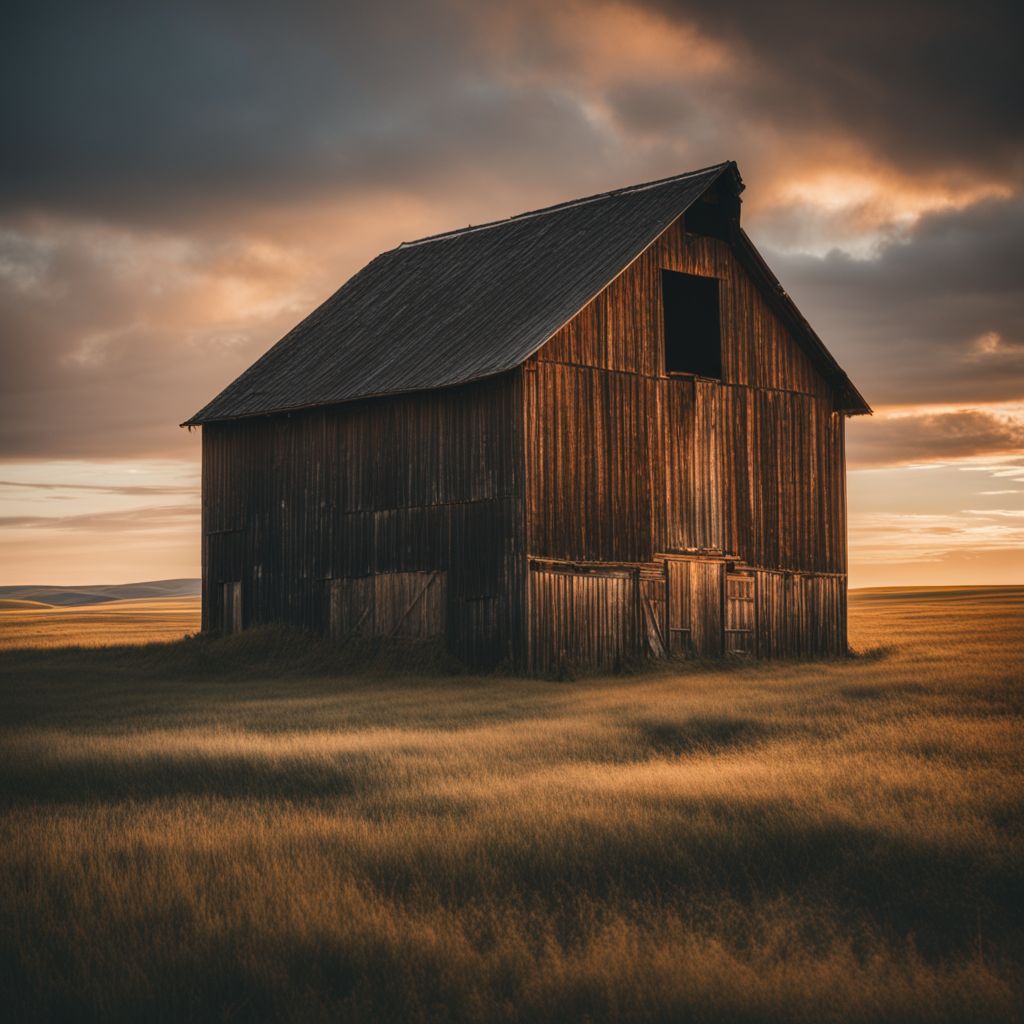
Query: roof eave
849, 399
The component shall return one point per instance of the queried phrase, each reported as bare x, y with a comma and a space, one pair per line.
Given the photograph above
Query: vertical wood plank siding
411, 605
585, 619
651, 507
404, 485
625, 462
695, 607
627, 465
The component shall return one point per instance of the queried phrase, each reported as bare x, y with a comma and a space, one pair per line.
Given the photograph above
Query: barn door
740, 614
695, 608
653, 626
582, 618
231, 607
680, 632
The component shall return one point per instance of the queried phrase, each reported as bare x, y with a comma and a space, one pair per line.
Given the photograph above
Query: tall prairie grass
144, 620
242, 830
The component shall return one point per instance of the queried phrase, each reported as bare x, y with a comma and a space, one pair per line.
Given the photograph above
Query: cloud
935, 315
110, 338
922, 82
196, 111
147, 518
151, 490
973, 545
914, 437
889, 538
102, 519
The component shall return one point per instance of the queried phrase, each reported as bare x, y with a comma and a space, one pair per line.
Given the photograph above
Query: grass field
148, 620
239, 830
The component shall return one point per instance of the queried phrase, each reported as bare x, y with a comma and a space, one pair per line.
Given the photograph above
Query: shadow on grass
270, 651
100, 780
869, 655
701, 734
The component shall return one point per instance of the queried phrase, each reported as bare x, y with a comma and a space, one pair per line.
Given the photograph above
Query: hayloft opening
693, 341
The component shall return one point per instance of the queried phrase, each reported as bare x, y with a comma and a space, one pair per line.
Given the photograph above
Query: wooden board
231, 607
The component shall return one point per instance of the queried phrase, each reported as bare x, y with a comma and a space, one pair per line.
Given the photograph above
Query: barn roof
473, 303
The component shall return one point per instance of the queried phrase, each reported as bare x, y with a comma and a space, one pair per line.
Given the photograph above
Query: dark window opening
693, 342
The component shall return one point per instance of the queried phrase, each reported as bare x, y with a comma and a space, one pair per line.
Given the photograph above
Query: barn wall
732, 490
302, 506
601, 616
583, 510
625, 462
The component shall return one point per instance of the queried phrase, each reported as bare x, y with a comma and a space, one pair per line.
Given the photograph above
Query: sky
181, 183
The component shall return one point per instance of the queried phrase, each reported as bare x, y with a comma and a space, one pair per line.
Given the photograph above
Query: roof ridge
583, 200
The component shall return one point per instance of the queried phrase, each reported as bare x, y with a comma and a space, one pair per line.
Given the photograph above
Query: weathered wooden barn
579, 435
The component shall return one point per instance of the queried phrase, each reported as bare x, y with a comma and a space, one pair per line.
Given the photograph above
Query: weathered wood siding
621, 328
410, 605
800, 614
626, 464
380, 491
694, 588
583, 619
602, 616
579, 511
625, 461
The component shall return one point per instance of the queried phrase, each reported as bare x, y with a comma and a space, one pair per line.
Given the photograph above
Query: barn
574, 437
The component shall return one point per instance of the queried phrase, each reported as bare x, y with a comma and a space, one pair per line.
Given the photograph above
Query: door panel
652, 612
411, 605
582, 618
740, 614
695, 608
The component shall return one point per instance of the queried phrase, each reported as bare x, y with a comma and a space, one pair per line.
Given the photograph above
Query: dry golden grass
236, 830
148, 620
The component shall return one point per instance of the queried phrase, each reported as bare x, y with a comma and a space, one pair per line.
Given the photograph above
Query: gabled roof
473, 303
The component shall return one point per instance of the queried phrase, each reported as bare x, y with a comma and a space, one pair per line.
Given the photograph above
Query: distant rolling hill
100, 593
12, 604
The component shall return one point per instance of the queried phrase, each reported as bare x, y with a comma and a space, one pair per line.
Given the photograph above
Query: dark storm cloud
116, 103
155, 111
182, 124
923, 82
935, 316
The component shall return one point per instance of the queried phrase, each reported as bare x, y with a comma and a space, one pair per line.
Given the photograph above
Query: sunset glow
512, 512
137, 279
